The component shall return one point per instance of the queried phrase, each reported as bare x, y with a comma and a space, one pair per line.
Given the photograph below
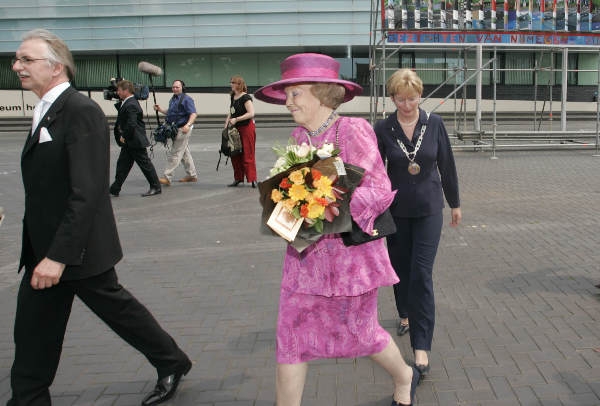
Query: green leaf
296, 212
319, 226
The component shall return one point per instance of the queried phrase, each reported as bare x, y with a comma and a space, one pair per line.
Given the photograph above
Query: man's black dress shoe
416, 378
152, 191
402, 329
165, 388
235, 183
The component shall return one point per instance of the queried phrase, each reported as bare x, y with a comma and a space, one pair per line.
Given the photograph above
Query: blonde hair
404, 81
240, 82
57, 50
329, 94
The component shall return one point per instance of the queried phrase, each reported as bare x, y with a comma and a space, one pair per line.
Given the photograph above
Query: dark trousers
125, 162
412, 252
41, 321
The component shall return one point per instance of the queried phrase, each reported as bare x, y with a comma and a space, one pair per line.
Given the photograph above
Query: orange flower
316, 174
285, 184
304, 210
297, 177
321, 201
289, 204
276, 195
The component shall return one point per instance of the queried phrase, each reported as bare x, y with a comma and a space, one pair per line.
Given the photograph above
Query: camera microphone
147, 67
151, 70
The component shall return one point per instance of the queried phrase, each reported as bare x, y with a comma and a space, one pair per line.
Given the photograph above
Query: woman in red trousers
241, 114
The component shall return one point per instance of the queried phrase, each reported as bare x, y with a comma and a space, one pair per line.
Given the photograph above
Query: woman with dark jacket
241, 115
420, 166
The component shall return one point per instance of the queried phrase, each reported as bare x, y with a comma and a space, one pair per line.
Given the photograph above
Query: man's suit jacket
130, 124
68, 213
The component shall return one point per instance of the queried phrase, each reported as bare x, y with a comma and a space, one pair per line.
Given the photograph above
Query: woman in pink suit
328, 298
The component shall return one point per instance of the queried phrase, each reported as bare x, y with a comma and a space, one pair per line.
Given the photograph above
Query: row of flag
563, 15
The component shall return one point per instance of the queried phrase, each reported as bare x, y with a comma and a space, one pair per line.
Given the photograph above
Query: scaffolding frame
380, 51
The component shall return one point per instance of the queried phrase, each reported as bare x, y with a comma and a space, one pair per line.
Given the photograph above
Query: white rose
303, 150
280, 162
325, 151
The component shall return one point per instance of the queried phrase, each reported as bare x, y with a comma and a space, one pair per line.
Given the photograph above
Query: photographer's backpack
231, 144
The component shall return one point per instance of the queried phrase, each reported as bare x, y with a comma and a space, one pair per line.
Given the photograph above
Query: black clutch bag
384, 225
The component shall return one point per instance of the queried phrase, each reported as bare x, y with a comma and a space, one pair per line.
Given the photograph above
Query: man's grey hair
58, 51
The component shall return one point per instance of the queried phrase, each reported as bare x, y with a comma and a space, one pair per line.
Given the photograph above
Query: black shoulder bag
384, 224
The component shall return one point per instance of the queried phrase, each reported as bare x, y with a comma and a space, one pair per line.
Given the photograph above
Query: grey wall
192, 24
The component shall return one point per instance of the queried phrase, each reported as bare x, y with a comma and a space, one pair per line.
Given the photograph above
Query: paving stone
517, 316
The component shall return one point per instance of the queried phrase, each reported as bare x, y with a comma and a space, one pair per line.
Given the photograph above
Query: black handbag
384, 225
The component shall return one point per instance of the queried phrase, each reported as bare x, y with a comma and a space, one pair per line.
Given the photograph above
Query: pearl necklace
323, 126
409, 124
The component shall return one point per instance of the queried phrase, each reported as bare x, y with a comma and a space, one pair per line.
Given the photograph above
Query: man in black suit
130, 131
70, 240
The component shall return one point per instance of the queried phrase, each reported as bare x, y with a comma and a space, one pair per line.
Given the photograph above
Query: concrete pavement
517, 311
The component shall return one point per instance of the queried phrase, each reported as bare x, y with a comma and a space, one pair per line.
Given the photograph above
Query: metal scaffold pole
495, 124
565, 78
478, 88
597, 154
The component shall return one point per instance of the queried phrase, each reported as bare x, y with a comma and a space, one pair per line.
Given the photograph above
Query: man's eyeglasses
25, 60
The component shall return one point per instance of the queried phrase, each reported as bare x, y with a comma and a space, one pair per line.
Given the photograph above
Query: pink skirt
312, 327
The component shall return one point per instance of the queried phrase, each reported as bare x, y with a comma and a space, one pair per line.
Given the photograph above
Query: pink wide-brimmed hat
306, 68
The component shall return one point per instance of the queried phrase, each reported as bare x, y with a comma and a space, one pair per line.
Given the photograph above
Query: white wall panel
108, 25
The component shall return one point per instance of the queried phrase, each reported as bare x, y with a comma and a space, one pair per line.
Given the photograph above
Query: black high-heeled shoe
235, 183
253, 185
423, 368
416, 378
402, 329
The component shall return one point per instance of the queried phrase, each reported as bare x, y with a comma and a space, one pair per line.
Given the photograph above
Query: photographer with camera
182, 111
130, 132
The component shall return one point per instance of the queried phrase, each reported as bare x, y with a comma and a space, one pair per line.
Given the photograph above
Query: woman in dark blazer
420, 166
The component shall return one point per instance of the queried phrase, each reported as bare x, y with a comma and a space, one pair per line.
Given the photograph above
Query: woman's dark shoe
235, 183
402, 329
416, 378
253, 185
423, 369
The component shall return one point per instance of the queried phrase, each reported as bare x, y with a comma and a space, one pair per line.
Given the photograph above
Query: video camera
141, 92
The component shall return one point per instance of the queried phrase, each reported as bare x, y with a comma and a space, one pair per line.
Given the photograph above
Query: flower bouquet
308, 194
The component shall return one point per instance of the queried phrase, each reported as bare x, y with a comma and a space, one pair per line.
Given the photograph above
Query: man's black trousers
125, 162
41, 321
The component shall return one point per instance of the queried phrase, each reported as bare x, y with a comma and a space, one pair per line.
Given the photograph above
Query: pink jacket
328, 267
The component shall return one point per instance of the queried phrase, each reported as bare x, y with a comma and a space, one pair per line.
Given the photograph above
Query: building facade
205, 42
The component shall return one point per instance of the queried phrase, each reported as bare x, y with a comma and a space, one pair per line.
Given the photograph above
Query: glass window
268, 67
430, 67
8, 78
194, 69
588, 61
224, 66
95, 71
128, 68
362, 75
454, 60
518, 60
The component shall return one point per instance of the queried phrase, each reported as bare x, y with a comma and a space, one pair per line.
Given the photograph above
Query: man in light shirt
70, 239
